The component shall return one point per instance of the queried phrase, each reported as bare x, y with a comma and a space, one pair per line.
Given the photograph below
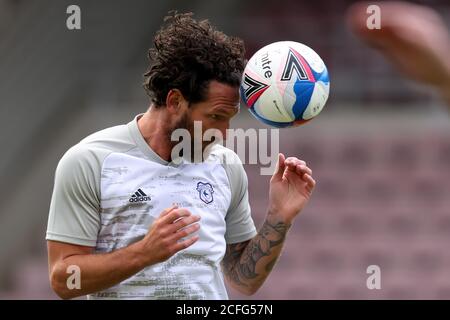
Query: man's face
221, 104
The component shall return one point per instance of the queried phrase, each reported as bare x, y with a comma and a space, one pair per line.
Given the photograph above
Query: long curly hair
187, 55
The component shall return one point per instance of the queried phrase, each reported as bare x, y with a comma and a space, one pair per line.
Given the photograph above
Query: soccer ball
285, 84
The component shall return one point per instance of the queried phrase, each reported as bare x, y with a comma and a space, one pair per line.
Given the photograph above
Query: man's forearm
247, 268
170, 233
97, 271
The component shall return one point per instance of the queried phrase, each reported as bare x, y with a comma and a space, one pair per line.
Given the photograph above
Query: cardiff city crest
205, 192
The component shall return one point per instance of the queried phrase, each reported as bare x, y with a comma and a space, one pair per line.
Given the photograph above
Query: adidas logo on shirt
139, 196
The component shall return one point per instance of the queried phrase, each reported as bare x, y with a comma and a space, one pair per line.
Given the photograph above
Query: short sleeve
239, 222
74, 209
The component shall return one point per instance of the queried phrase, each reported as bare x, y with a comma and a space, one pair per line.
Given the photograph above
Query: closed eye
216, 117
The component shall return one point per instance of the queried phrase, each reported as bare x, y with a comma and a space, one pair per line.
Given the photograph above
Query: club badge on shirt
205, 192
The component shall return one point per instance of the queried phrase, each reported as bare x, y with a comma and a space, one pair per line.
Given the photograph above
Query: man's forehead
224, 95
222, 89
226, 108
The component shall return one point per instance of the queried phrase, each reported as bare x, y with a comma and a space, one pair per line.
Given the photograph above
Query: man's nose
224, 130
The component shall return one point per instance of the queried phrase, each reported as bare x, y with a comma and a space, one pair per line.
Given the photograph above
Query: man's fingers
293, 162
168, 210
183, 222
310, 182
175, 214
186, 243
280, 165
301, 169
179, 234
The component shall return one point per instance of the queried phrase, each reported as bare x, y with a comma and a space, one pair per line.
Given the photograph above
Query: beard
186, 123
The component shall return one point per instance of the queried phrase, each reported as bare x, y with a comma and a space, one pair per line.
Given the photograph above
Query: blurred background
380, 150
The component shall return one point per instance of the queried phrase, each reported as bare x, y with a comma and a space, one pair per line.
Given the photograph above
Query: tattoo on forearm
242, 258
232, 255
270, 265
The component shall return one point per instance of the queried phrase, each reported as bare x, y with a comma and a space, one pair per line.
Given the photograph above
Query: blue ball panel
303, 92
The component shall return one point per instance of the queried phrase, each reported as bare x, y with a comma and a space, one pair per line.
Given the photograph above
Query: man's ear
175, 101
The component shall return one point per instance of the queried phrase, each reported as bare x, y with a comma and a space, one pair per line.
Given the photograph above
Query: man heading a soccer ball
140, 226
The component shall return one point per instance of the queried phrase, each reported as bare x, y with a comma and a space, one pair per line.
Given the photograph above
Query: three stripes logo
139, 196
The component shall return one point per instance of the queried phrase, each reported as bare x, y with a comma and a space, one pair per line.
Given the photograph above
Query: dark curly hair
187, 55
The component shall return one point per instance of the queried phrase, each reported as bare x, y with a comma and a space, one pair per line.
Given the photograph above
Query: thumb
279, 170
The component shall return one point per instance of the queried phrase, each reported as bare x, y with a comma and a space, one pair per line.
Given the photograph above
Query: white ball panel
318, 99
265, 62
270, 106
289, 98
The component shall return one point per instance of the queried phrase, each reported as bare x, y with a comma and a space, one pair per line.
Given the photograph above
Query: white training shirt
111, 186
